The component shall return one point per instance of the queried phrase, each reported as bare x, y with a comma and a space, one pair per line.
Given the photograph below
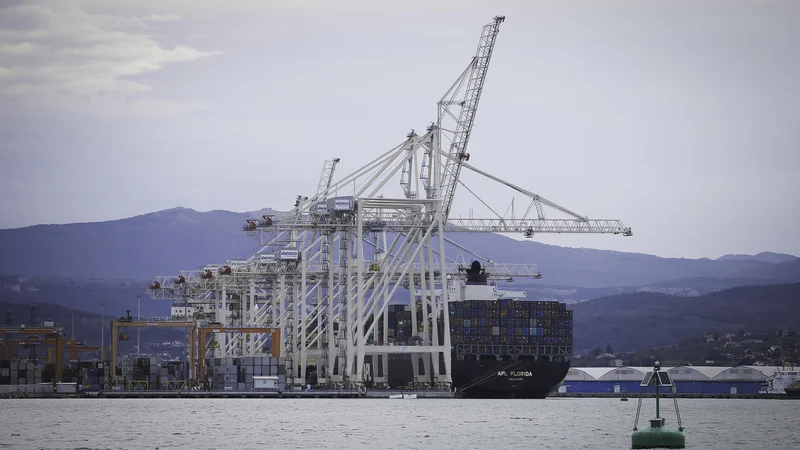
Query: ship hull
495, 379
491, 379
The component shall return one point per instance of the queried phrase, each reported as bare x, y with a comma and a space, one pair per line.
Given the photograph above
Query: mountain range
165, 242
637, 300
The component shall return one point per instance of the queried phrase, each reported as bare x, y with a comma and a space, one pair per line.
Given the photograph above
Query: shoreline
352, 394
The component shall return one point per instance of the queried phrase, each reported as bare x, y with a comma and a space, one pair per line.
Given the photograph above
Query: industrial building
741, 380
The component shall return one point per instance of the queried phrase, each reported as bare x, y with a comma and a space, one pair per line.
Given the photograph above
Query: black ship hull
527, 379
507, 379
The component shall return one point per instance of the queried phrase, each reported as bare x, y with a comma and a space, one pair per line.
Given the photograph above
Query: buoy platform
658, 435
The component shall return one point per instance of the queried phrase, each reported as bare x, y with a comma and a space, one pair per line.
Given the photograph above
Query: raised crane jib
475, 76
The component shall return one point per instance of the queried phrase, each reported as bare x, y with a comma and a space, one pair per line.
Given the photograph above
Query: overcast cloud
678, 117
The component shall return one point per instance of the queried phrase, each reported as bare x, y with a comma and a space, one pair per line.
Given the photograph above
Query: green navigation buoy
658, 435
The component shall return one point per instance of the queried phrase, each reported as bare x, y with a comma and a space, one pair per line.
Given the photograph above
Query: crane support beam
532, 226
535, 197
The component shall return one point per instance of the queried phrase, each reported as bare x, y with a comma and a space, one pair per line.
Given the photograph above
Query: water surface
558, 423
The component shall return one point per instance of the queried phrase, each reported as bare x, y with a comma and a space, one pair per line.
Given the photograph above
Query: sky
678, 117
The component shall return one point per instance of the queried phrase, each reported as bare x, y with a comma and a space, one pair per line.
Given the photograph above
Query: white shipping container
67, 388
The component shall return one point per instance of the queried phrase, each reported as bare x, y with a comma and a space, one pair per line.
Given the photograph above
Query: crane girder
533, 226
318, 270
496, 225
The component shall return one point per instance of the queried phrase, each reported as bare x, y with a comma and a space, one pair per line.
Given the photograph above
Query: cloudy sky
678, 117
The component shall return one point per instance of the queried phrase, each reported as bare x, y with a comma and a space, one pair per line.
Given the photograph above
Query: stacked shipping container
87, 374
143, 369
19, 372
236, 374
510, 322
501, 322
164, 375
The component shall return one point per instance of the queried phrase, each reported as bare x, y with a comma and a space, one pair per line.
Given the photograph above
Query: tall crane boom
469, 106
325, 179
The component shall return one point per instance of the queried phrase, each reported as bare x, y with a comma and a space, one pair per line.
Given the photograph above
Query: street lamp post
102, 330
138, 319
72, 309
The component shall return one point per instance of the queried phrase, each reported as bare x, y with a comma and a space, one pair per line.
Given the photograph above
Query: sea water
557, 423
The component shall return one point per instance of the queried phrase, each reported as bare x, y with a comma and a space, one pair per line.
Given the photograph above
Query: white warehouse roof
608, 373
681, 373
696, 373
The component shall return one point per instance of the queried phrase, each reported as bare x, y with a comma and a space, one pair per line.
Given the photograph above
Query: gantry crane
327, 270
10, 336
75, 347
118, 324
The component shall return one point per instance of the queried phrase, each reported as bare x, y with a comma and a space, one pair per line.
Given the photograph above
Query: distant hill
138, 248
645, 320
165, 242
781, 273
789, 270
769, 257
86, 294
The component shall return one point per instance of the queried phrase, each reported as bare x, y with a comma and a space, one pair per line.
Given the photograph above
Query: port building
742, 380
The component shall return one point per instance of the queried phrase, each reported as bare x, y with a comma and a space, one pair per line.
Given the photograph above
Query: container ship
502, 346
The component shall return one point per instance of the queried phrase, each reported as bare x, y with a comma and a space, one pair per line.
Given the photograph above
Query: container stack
510, 322
90, 375
48, 373
158, 375
399, 318
19, 372
400, 329
172, 375
145, 369
236, 374
70, 374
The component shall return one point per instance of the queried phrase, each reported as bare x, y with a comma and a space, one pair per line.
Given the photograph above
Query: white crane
336, 261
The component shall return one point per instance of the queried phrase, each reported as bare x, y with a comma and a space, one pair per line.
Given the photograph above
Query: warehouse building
688, 379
